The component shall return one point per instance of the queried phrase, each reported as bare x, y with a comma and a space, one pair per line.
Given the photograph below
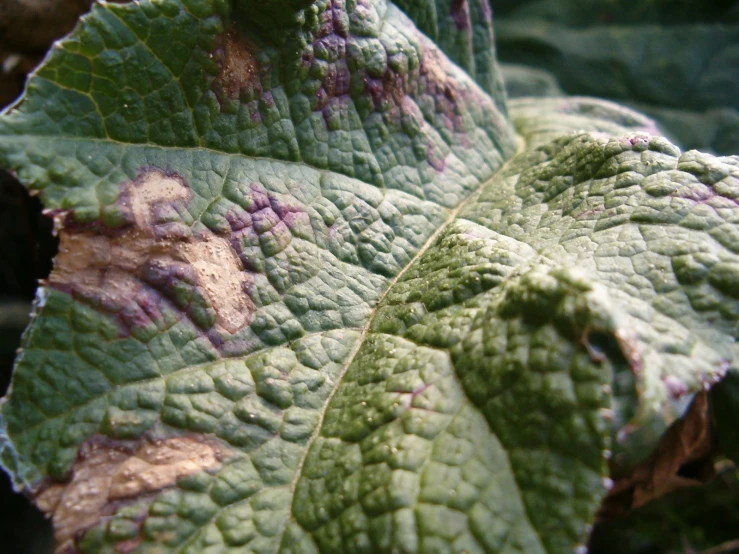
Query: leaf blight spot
108, 474
239, 75
132, 269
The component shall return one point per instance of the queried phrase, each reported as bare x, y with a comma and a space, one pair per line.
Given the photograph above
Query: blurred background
675, 60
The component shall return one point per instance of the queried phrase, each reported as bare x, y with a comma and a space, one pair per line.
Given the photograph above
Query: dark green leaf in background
674, 60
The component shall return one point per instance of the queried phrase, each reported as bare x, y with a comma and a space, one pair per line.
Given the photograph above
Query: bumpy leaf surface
303, 304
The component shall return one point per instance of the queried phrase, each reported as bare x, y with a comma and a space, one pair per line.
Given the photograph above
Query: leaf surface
679, 67
667, 59
586, 13
301, 305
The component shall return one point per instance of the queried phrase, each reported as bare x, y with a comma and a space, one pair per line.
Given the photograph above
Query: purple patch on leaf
461, 14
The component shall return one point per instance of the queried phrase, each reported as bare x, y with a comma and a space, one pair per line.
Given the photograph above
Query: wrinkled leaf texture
314, 295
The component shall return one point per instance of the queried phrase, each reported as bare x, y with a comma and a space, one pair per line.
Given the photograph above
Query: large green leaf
680, 67
302, 303
619, 12
668, 58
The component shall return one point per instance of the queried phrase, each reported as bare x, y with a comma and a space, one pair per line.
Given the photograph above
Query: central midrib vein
521, 144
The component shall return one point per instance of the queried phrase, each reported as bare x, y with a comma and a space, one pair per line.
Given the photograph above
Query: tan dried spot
683, 458
107, 472
220, 274
109, 265
239, 67
151, 188
93, 262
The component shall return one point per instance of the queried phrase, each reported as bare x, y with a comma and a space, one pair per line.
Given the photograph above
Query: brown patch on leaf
111, 267
220, 274
683, 458
239, 66
107, 472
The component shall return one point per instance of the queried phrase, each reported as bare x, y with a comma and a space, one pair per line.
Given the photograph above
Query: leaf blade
243, 289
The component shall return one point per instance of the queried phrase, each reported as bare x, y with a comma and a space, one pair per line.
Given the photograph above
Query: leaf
300, 303
681, 66
691, 519
683, 458
522, 80
579, 13
713, 130
631, 53
540, 120
464, 31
